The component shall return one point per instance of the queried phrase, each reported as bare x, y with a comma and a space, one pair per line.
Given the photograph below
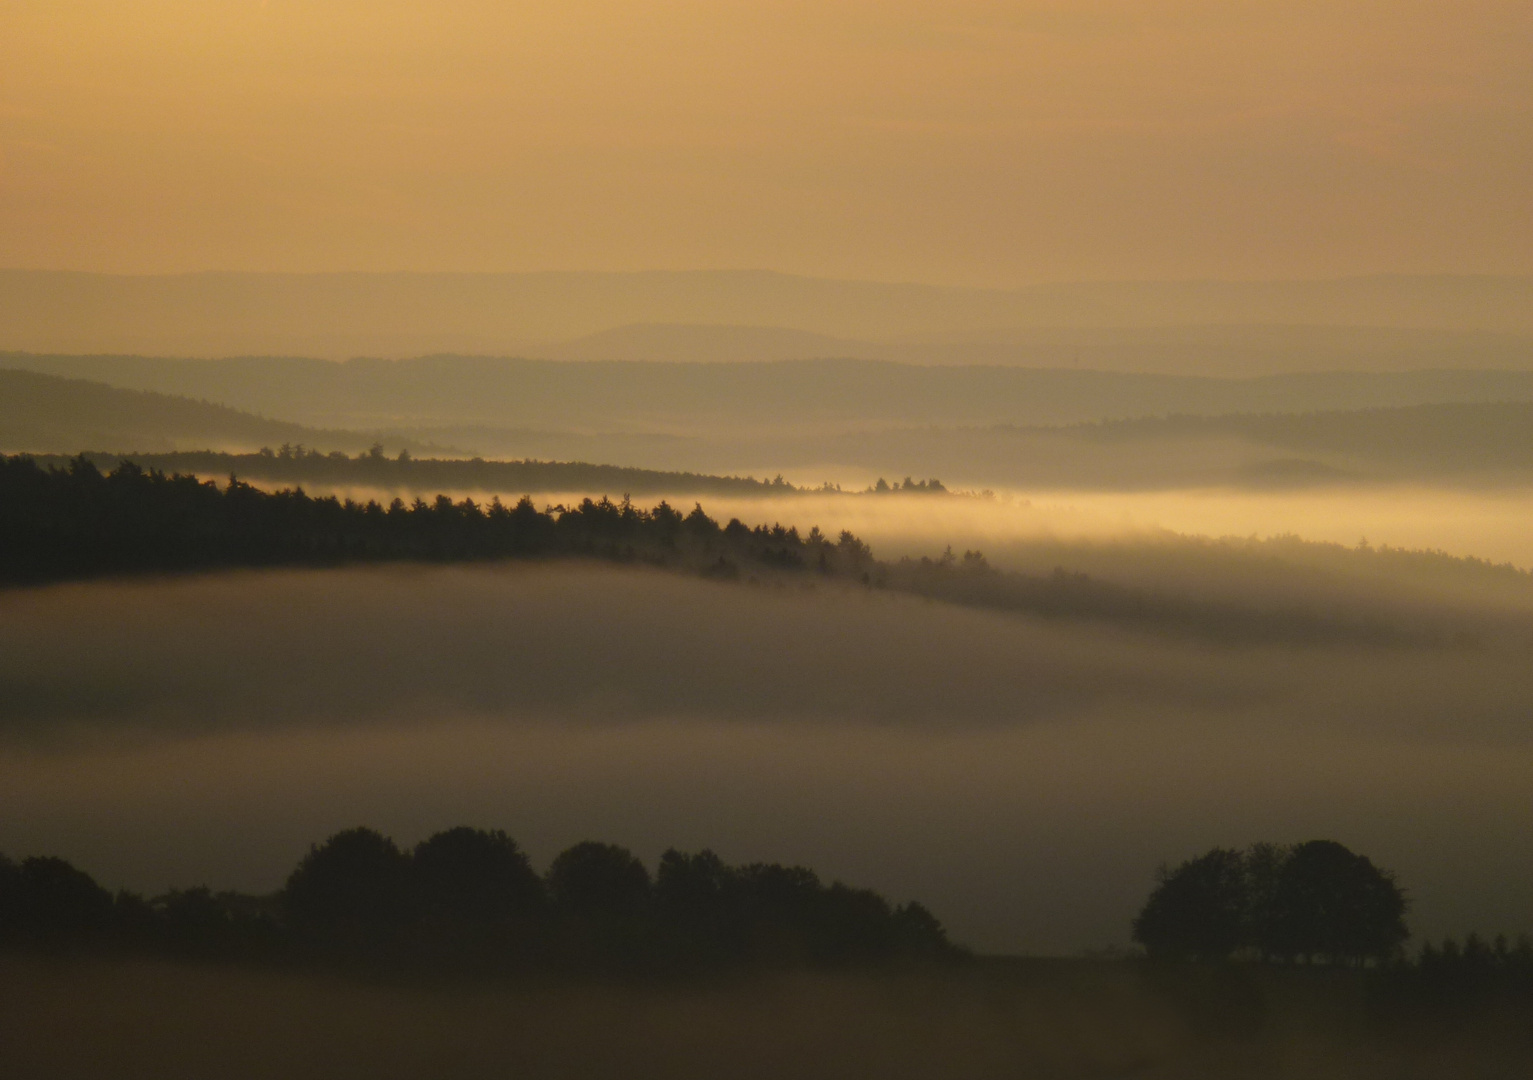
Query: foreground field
1023, 1018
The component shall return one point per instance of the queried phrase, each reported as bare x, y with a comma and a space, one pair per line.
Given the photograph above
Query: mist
1036, 530
1023, 777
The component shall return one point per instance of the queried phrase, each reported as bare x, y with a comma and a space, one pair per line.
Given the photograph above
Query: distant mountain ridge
1216, 350
664, 398
1480, 442
401, 314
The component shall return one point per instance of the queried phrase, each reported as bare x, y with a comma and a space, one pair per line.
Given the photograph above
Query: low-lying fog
1023, 777
1490, 524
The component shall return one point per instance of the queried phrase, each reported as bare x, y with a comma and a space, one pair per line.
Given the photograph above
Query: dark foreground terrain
131, 1018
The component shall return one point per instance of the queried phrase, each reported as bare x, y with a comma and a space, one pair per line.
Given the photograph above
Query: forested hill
76, 522
79, 522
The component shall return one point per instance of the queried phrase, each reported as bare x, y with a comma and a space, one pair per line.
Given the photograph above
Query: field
1060, 1019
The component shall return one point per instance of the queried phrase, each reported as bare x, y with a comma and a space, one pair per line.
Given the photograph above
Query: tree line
76, 521
73, 521
299, 464
1463, 972
295, 463
468, 900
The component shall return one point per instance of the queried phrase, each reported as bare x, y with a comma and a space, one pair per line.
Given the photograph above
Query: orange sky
957, 141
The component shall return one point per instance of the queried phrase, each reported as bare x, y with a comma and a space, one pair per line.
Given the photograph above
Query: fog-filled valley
1022, 775
766, 540
1286, 605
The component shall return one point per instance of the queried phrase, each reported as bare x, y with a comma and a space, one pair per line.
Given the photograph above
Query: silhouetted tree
1315, 900
919, 933
777, 915
473, 876
193, 919
850, 925
594, 879
1198, 910
476, 900
692, 889
1331, 903
695, 899
52, 902
700, 525
600, 895
349, 891
1264, 869
200, 922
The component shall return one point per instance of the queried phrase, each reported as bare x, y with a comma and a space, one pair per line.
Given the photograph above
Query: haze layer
1024, 775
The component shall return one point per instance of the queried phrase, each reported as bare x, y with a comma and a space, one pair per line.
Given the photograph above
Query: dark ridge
297, 464
76, 522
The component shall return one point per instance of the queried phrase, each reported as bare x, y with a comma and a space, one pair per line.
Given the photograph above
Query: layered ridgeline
1465, 431
53, 418
1380, 322
1478, 443
698, 398
468, 900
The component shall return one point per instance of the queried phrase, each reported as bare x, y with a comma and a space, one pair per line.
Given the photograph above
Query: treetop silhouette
468, 900
1315, 901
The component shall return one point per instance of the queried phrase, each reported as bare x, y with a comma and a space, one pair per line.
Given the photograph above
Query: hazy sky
962, 141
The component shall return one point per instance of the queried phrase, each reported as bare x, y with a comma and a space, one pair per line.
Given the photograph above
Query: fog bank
1022, 777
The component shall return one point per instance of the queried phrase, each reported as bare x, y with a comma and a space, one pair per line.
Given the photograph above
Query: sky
956, 142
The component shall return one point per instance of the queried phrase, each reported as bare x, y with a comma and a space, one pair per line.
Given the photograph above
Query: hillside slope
48, 414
